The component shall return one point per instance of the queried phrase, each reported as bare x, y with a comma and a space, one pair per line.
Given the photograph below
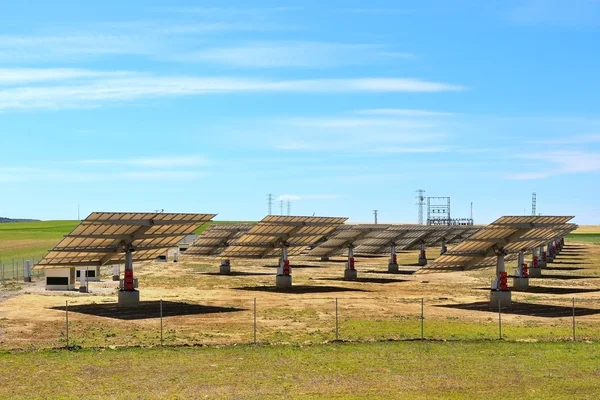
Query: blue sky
340, 106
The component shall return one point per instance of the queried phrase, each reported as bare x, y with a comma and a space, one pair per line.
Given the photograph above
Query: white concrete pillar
350, 273
520, 262
83, 281
444, 248
543, 257
116, 272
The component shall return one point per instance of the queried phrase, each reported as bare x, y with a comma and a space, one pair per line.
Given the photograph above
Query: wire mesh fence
181, 322
13, 268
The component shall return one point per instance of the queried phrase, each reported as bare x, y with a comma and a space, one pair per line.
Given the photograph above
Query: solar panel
409, 237
508, 235
346, 236
265, 239
216, 238
102, 238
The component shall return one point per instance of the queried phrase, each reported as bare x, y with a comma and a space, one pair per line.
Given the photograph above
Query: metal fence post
422, 318
67, 318
337, 329
573, 318
161, 323
254, 323
499, 321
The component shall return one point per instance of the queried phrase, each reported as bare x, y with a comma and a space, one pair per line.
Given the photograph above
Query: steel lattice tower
533, 204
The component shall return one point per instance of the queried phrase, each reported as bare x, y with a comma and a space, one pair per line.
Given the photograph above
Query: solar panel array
507, 235
266, 238
101, 238
216, 238
409, 237
346, 236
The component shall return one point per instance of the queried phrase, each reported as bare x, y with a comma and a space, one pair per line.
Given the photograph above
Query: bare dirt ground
202, 307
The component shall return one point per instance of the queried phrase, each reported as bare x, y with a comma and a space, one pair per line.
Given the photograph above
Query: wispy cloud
152, 162
292, 54
573, 13
403, 112
98, 90
21, 76
571, 140
19, 175
559, 163
408, 149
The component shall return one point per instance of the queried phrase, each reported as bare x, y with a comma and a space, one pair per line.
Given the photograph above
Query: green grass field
412, 370
593, 238
31, 239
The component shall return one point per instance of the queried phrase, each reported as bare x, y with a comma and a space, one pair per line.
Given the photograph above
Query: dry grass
368, 310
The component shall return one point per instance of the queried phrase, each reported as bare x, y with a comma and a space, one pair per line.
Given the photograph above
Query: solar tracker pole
422, 254
444, 247
255, 320
393, 264
350, 271
283, 280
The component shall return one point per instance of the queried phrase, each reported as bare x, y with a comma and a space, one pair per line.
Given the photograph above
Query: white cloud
527, 176
291, 54
19, 175
152, 162
559, 163
408, 149
403, 112
95, 91
572, 140
20, 76
573, 13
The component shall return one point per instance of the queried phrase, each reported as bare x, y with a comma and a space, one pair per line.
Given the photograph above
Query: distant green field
385, 370
32, 240
584, 237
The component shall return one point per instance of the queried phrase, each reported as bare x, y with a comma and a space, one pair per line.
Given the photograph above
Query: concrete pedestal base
535, 272
350, 274
422, 261
27, 279
129, 298
504, 297
83, 289
542, 264
225, 269
550, 259
283, 281
324, 258
520, 283
116, 278
393, 268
